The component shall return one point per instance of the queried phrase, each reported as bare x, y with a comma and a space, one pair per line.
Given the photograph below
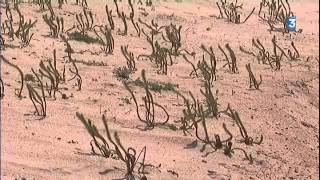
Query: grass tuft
122, 73
157, 86
77, 36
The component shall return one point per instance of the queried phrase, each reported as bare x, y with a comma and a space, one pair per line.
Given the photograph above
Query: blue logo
291, 23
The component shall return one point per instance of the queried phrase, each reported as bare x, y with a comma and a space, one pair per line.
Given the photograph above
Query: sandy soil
285, 111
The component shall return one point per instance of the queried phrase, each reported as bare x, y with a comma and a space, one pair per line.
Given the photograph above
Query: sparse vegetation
1, 89
106, 39
50, 72
131, 63
275, 57
84, 38
129, 156
55, 24
122, 73
61, 2
23, 32
246, 138
150, 105
110, 17
2, 45
125, 25
253, 81
76, 75
232, 63
68, 49
87, 24
19, 93
275, 13
173, 35
83, 3
38, 99
156, 86
230, 11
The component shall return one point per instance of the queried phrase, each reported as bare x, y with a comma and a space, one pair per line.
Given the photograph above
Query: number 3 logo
291, 23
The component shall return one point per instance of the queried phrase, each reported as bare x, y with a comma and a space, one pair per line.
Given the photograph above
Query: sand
285, 111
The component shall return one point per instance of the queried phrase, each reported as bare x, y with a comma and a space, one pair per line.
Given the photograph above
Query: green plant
131, 63
148, 2
206, 71
125, 30
41, 4
252, 78
50, 71
217, 143
8, 23
29, 77
107, 40
194, 67
122, 73
38, 101
91, 63
12, 46
149, 104
19, 94
23, 31
68, 49
131, 16
126, 99
85, 25
150, 40
98, 141
233, 68
83, 3
156, 86
211, 101
229, 151
117, 8
213, 61
77, 36
246, 138
293, 55
192, 108
110, 18
1, 89
231, 12
76, 76
190, 112
25, 35
55, 24
49, 5
161, 57
2, 44
173, 35
206, 140
153, 26
275, 57
61, 2
262, 55
277, 12
128, 156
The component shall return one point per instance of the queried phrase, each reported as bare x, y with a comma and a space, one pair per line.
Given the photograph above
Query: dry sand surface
285, 110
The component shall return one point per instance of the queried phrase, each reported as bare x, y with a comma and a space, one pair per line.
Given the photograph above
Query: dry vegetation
182, 93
